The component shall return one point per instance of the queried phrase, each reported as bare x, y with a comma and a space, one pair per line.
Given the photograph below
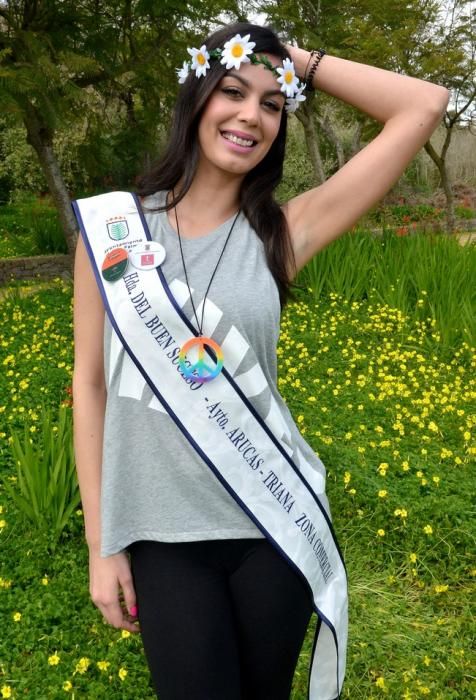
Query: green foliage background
394, 425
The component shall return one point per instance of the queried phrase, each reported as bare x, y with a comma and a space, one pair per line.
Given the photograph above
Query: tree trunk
440, 162
40, 137
326, 126
305, 116
355, 147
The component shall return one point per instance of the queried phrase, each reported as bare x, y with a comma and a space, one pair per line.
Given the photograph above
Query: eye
231, 91
272, 105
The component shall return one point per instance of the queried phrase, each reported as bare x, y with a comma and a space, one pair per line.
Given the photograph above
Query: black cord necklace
200, 371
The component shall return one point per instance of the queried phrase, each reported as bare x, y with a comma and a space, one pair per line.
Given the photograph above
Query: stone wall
38, 267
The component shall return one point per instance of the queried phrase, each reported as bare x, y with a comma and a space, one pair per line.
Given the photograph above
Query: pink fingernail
133, 610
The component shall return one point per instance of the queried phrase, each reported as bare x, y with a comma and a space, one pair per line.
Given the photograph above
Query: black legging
219, 619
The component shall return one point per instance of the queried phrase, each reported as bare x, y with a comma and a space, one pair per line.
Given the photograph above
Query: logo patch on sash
117, 228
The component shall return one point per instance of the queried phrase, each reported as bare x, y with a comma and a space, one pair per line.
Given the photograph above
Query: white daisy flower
199, 60
292, 103
235, 52
288, 78
183, 72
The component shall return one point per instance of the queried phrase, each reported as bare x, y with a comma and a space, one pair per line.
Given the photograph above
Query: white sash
225, 430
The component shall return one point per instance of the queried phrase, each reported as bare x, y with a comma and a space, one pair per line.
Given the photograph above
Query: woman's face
241, 119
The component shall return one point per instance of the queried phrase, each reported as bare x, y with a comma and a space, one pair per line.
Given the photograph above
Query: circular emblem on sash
148, 257
201, 371
114, 264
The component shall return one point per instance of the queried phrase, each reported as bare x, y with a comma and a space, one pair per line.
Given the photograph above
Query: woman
222, 597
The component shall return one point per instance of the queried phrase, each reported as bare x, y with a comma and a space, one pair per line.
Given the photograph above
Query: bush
48, 491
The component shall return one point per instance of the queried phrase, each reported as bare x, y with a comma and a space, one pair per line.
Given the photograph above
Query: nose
249, 111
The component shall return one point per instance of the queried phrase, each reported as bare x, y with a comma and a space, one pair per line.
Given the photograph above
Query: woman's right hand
107, 576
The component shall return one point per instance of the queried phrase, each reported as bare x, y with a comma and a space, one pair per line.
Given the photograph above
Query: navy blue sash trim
203, 455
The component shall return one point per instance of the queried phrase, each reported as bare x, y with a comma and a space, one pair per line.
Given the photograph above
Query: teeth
236, 139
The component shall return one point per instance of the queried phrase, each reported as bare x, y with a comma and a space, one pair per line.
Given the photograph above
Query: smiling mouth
239, 141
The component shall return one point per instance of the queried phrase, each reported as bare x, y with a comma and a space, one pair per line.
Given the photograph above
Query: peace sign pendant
199, 370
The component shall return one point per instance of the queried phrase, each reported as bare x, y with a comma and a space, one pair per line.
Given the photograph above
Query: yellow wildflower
54, 659
400, 512
380, 532
67, 685
122, 673
103, 665
17, 616
428, 530
6, 691
382, 493
82, 665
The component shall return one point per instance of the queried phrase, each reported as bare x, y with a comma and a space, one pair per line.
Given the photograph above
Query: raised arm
410, 110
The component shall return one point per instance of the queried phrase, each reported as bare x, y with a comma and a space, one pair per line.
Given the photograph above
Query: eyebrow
247, 84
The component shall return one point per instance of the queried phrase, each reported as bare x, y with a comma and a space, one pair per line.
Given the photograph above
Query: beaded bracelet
317, 59
311, 56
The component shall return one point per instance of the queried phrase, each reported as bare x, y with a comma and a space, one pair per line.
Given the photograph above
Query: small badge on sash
149, 257
114, 264
117, 228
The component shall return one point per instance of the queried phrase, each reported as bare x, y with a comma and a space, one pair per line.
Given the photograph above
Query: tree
457, 30
423, 38
323, 119
438, 45
55, 53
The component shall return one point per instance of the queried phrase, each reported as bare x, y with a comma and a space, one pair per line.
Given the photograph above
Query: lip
235, 146
239, 134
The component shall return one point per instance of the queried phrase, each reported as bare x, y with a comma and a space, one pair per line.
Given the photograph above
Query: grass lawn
394, 424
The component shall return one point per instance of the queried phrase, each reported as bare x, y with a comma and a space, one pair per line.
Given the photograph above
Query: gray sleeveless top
154, 485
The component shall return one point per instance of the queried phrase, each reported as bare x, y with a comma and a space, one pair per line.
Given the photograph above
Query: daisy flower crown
239, 50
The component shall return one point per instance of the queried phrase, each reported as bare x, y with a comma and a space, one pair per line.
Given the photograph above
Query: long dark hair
181, 157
